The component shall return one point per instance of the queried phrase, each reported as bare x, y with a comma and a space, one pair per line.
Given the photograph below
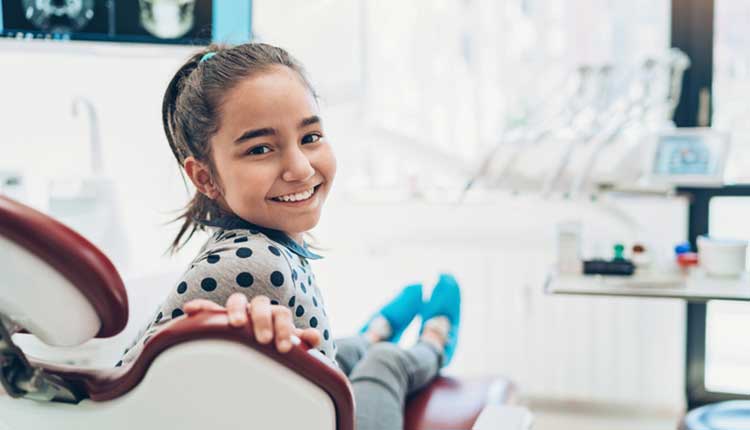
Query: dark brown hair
191, 108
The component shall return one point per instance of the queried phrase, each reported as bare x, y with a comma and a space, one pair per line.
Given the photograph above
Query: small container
619, 252
682, 248
641, 257
687, 259
722, 257
569, 247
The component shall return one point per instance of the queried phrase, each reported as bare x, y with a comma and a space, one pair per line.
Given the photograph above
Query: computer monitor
688, 156
191, 22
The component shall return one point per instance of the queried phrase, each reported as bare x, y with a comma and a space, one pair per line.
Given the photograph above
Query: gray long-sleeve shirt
250, 262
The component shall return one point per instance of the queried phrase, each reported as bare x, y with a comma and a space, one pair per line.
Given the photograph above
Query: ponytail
200, 207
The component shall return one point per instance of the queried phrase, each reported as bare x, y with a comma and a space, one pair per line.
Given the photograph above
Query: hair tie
206, 56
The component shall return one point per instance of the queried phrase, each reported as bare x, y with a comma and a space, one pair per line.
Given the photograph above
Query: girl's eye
258, 150
311, 138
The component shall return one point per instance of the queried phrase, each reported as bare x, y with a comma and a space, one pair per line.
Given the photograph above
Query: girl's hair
191, 108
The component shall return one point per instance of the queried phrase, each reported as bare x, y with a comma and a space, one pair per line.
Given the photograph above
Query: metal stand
20, 379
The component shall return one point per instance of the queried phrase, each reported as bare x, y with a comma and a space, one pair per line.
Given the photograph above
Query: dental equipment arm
641, 105
679, 62
615, 115
573, 103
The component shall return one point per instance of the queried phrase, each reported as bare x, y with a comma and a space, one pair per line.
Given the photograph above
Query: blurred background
466, 131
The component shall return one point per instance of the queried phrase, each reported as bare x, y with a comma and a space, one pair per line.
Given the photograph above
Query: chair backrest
54, 283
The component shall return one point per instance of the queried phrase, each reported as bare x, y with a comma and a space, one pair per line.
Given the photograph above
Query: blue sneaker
445, 301
400, 311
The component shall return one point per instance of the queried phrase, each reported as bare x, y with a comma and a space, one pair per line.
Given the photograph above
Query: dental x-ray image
148, 21
165, 19
56, 16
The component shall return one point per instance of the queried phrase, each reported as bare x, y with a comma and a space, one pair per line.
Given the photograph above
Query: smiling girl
244, 124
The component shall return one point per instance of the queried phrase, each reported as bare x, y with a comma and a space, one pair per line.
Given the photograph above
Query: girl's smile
297, 198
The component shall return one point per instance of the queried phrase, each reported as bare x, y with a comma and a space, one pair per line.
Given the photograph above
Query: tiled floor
556, 417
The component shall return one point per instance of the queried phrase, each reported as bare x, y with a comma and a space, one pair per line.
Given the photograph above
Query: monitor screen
146, 21
684, 155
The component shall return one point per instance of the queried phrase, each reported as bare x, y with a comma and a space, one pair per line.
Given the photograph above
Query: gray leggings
382, 375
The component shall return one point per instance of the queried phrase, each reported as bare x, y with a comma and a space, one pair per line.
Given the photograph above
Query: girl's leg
386, 324
385, 376
350, 352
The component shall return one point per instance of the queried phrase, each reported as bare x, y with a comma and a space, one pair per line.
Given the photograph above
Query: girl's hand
269, 320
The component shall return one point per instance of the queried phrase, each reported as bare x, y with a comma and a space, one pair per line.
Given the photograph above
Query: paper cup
722, 257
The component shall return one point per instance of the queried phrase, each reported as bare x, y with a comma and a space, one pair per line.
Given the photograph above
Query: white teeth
296, 197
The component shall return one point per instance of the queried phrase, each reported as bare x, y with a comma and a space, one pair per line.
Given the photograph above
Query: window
731, 82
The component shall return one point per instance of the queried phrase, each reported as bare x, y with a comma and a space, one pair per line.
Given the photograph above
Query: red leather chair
196, 372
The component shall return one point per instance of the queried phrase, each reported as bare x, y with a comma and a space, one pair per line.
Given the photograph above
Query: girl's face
273, 161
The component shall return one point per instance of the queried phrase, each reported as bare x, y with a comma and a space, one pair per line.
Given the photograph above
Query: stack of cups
569, 247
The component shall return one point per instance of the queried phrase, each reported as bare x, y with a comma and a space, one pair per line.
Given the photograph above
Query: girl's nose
297, 167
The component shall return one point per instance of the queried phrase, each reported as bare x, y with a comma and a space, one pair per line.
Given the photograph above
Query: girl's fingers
260, 313
309, 335
283, 328
237, 309
269, 321
197, 305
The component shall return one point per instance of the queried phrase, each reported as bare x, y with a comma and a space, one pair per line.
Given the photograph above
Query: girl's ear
201, 177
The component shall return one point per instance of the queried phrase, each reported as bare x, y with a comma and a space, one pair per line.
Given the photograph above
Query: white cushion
41, 300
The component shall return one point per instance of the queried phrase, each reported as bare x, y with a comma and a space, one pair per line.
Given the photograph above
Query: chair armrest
503, 417
107, 384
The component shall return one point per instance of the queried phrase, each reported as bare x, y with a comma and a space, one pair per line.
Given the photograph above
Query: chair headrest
46, 261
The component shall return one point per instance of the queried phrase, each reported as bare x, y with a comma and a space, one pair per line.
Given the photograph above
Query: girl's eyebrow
309, 121
268, 131
258, 132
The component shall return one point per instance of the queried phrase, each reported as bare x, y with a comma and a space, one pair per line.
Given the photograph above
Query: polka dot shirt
248, 261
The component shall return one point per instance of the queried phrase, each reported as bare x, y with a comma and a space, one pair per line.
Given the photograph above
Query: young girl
243, 123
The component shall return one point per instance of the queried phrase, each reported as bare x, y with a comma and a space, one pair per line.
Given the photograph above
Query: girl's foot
389, 323
445, 302
378, 329
435, 332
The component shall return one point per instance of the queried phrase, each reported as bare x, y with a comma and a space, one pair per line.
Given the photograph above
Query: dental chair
196, 373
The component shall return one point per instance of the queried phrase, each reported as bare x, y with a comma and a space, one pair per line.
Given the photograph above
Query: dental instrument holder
21, 379
615, 267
